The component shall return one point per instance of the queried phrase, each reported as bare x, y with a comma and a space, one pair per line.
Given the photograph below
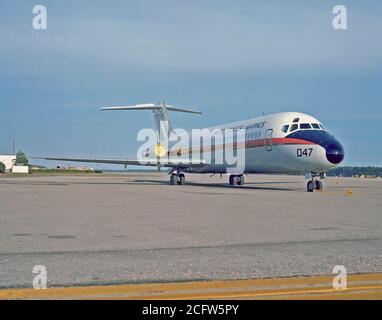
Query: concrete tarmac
136, 228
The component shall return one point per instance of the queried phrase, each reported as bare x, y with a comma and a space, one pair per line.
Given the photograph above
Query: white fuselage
272, 145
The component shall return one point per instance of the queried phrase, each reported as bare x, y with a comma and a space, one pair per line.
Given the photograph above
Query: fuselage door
268, 139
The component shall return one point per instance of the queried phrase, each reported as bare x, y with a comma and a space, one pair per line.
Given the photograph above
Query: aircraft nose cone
335, 153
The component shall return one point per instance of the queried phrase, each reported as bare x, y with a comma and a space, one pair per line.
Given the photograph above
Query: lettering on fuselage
257, 125
251, 132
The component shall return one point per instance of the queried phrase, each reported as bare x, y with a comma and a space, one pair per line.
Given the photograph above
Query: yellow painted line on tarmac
280, 294
362, 285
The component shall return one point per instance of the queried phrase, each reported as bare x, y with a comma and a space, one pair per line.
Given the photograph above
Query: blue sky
232, 60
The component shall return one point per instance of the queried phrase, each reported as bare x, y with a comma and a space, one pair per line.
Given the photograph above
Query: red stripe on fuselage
276, 141
290, 141
249, 144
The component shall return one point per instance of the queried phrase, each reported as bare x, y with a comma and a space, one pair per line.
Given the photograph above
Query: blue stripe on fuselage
334, 150
320, 137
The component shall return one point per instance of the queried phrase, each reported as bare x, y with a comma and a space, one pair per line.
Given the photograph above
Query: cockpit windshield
302, 126
285, 128
305, 126
293, 127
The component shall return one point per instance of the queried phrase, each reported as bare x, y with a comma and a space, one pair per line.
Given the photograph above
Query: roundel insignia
160, 151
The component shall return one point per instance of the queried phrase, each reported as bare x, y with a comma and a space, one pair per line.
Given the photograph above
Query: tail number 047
306, 152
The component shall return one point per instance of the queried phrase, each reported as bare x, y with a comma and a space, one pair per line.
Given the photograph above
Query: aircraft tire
181, 179
173, 179
319, 185
310, 186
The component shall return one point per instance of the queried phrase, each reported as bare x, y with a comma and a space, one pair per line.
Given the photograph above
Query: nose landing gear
314, 183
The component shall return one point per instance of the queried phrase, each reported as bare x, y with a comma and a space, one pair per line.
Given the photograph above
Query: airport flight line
360, 286
288, 142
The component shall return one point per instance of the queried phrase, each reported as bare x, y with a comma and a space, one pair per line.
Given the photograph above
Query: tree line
350, 171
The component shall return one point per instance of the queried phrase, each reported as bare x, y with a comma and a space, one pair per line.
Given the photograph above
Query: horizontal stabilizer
149, 106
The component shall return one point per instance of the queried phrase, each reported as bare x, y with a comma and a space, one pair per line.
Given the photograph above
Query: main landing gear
314, 183
236, 180
177, 179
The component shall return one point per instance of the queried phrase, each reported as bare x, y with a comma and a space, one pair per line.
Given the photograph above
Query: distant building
80, 169
9, 161
86, 169
20, 169
37, 167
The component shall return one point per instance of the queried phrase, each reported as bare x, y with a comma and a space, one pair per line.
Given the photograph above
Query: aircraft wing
164, 162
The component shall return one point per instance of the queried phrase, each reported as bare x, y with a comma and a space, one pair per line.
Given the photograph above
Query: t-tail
162, 120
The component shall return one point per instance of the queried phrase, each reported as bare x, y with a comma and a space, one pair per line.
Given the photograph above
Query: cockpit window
322, 127
285, 128
305, 126
296, 119
293, 127
315, 126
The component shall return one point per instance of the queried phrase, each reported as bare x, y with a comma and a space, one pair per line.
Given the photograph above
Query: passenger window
285, 128
305, 126
293, 127
315, 126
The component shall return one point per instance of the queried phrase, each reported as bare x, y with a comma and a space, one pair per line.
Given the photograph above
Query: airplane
281, 143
